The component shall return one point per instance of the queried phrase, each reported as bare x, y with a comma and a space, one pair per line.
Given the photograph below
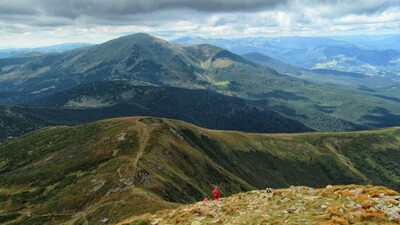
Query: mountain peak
127, 42
141, 38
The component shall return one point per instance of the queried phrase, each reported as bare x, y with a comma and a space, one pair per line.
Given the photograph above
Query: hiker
216, 193
205, 199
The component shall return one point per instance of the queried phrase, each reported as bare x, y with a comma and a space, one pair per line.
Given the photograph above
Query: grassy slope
340, 205
122, 167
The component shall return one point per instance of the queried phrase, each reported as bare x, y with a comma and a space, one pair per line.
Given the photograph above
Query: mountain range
368, 55
24, 52
44, 89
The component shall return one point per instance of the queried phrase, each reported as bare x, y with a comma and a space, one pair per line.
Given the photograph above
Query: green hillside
129, 166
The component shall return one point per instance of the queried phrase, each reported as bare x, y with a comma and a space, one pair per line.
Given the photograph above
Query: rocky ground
296, 205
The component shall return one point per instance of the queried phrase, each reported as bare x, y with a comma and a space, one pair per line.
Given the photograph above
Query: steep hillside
341, 205
106, 168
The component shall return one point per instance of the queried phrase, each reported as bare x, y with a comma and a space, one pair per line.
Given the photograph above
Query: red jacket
216, 193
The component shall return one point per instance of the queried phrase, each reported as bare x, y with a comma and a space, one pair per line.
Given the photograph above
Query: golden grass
338, 220
179, 219
230, 208
196, 211
369, 215
332, 211
362, 198
367, 205
389, 192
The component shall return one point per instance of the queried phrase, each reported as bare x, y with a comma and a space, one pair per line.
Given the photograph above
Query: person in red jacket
216, 193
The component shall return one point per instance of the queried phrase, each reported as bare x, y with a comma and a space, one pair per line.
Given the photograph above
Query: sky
33, 23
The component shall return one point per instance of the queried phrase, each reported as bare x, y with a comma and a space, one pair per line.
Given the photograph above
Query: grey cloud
106, 18
340, 8
121, 12
75, 8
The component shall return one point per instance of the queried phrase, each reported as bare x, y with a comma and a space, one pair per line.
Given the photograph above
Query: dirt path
144, 135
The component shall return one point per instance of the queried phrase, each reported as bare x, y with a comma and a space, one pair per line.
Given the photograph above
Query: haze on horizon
29, 23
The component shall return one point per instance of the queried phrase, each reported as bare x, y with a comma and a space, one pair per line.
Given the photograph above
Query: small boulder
105, 220
311, 191
357, 191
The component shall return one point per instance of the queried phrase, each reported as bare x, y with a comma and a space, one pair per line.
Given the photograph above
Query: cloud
97, 20
76, 8
106, 12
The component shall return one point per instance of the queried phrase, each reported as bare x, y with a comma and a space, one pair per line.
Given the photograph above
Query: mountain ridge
107, 167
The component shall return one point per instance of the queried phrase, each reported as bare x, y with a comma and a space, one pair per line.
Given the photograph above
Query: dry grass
196, 211
332, 211
369, 215
370, 189
375, 194
230, 208
180, 219
362, 198
209, 214
338, 220
345, 193
367, 205
337, 211
389, 192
